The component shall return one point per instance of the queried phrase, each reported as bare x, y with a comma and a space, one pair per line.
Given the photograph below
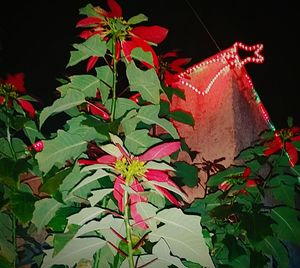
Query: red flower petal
292, 153
27, 107
274, 146
247, 172
251, 183
2, 100
17, 81
116, 10
38, 146
88, 21
296, 138
137, 217
168, 195
87, 34
295, 130
98, 109
91, 63
160, 151
119, 192
107, 159
157, 175
170, 79
135, 97
154, 34
87, 162
134, 199
224, 186
170, 54
118, 50
176, 65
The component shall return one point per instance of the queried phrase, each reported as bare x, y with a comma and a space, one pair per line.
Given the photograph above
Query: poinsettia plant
104, 189
107, 175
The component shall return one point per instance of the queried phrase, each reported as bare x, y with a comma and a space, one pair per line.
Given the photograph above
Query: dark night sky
36, 37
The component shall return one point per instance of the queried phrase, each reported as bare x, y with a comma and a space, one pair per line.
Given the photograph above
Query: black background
36, 38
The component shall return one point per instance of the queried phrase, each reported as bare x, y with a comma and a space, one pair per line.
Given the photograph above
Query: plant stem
114, 85
128, 230
14, 241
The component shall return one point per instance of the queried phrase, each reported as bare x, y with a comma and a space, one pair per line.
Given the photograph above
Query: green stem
9, 142
114, 82
128, 230
14, 241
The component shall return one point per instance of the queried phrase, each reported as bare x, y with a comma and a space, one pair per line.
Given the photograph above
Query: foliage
104, 190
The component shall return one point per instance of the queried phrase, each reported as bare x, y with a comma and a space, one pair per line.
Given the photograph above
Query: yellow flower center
286, 133
130, 169
8, 91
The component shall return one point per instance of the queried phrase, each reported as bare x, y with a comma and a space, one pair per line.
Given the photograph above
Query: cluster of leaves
100, 191
251, 210
105, 175
19, 141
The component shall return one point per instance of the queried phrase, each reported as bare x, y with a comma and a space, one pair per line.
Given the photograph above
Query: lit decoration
227, 110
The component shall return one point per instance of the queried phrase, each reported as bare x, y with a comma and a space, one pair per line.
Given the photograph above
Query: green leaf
147, 212
183, 234
87, 84
251, 153
122, 106
288, 225
60, 240
100, 173
137, 19
234, 246
221, 176
130, 121
88, 10
145, 82
105, 257
162, 251
5, 151
187, 173
59, 222
73, 252
285, 194
139, 141
149, 115
139, 54
60, 149
76, 57
93, 46
71, 181
169, 91
257, 225
98, 195
272, 246
4, 263
51, 185
22, 205
7, 249
106, 77
45, 210
156, 199
71, 99
32, 132
182, 117
85, 215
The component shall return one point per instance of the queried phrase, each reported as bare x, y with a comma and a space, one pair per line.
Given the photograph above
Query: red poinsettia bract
234, 180
282, 140
10, 90
132, 171
170, 66
110, 24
